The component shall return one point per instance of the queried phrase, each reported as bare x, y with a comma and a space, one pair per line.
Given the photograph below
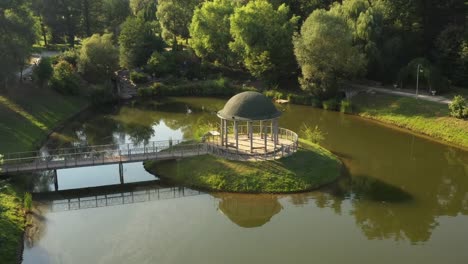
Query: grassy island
310, 168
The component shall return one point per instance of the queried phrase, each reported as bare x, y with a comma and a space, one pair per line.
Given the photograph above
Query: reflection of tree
249, 210
138, 133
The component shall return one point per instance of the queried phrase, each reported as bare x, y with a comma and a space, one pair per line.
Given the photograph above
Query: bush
313, 135
459, 107
217, 87
71, 56
331, 104
315, 102
64, 79
273, 94
27, 202
43, 71
102, 95
138, 77
151, 91
346, 107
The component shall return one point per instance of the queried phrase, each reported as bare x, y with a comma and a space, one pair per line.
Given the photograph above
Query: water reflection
248, 210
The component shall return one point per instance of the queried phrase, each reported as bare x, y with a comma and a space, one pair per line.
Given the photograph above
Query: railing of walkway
96, 155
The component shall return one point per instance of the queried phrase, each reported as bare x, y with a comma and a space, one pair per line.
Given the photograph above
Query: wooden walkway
99, 155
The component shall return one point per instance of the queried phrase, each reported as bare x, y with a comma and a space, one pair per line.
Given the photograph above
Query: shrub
138, 77
459, 107
27, 202
43, 71
314, 135
70, 56
102, 95
346, 106
331, 104
150, 91
64, 79
315, 102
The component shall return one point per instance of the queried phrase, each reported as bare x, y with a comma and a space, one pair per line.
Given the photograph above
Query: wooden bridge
99, 155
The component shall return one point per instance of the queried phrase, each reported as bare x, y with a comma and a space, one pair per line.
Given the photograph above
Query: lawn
28, 113
310, 168
428, 118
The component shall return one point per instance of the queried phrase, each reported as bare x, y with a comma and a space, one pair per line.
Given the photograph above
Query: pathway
432, 98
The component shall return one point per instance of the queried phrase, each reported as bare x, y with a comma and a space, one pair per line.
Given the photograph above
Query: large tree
116, 11
137, 42
98, 58
174, 17
16, 37
209, 31
325, 52
262, 38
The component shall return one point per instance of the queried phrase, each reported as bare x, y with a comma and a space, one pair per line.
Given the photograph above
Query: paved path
432, 98
35, 58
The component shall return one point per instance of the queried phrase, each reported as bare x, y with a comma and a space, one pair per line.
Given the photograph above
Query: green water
405, 200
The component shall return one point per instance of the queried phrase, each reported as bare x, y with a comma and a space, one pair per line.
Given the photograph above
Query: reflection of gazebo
249, 124
249, 210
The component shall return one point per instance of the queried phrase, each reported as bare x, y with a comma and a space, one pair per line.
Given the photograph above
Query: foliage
102, 94
311, 167
137, 42
314, 135
209, 31
420, 116
262, 39
71, 56
98, 58
330, 104
148, 92
216, 87
429, 75
16, 38
325, 53
459, 107
181, 63
27, 201
346, 106
138, 77
43, 71
174, 18
11, 222
64, 79
116, 11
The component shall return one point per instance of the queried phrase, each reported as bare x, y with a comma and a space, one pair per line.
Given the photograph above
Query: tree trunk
44, 33
86, 17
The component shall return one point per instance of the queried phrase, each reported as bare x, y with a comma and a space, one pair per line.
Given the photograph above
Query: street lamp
419, 70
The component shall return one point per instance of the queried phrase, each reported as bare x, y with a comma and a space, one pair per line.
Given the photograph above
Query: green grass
427, 118
11, 222
310, 168
28, 113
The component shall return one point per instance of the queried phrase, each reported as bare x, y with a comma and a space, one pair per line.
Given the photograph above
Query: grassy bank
11, 222
28, 113
428, 118
311, 167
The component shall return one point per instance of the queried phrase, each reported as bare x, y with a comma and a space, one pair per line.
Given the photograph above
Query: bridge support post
121, 176
55, 180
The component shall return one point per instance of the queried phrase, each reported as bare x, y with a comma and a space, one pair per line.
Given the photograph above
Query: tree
98, 58
63, 18
209, 31
174, 17
16, 37
64, 79
137, 42
116, 13
325, 52
43, 71
145, 9
262, 38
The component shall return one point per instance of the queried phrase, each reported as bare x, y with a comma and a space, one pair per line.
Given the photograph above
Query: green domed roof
249, 106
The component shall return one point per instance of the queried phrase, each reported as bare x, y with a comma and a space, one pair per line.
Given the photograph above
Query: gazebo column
275, 132
265, 138
226, 132
271, 130
222, 132
250, 135
236, 134
261, 129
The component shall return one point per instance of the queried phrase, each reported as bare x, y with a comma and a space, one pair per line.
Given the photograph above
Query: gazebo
249, 124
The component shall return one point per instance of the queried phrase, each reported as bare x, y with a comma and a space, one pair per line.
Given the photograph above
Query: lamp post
419, 70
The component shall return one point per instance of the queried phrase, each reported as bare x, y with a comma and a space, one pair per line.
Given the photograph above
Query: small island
251, 154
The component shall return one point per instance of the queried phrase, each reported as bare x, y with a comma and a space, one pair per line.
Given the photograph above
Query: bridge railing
97, 156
